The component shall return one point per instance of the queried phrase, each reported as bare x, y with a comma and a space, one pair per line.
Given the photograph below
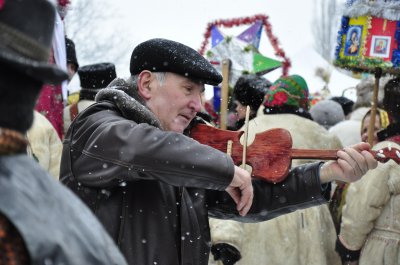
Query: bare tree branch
325, 27
92, 26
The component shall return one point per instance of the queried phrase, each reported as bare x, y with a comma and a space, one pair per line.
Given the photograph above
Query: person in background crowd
152, 187
72, 61
92, 78
73, 79
346, 103
249, 90
44, 145
41, 222
339, 194
50, 102
327, 113
369, 233
267, 242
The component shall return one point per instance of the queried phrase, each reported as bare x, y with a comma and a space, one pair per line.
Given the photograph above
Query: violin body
269, 155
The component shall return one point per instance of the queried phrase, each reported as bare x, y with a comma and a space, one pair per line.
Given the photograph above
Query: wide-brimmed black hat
26, 30
161, 55
95, 77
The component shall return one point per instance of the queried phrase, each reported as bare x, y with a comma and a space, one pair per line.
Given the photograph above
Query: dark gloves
228, 254
346, 254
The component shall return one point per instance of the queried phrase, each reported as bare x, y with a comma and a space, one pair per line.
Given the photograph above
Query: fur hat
161, 55
250, 90
25, 47
327, 113
95, 77
71, 53
288, 91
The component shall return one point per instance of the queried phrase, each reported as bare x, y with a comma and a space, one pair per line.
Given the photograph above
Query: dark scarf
391, 133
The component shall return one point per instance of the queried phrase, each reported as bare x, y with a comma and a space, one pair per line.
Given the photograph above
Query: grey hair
133, 79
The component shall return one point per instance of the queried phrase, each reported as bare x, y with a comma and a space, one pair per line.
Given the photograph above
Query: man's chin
178, 128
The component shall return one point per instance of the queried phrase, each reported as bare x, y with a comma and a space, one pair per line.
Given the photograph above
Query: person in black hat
151, 186
249, 90
41, 222
72, 61
93, 78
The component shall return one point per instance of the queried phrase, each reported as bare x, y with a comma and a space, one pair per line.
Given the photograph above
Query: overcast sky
185, 21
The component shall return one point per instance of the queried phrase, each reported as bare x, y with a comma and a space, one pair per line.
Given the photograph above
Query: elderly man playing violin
151, 186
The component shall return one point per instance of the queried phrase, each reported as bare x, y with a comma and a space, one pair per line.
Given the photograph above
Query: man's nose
195, 103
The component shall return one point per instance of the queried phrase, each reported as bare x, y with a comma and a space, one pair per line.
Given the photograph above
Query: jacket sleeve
108, 153
301, 189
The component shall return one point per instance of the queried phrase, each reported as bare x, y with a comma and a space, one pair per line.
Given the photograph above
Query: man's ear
145, 78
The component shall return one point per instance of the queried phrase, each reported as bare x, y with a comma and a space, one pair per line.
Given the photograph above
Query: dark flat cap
161, 55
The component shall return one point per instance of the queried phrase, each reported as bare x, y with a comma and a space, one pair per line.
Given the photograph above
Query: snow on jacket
81, 105
45, 144
303, 237
154, 190
371, 215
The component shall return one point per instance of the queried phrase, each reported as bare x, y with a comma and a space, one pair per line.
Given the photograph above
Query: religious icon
353, 41
380, 46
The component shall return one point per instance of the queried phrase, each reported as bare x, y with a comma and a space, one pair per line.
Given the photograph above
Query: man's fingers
234, 193
371, 161
247, 201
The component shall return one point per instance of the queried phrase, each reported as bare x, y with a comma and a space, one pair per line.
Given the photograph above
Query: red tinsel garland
229, 23
63, 3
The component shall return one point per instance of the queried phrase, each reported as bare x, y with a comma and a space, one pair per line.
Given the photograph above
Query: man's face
71, 68
240, 110
175, 102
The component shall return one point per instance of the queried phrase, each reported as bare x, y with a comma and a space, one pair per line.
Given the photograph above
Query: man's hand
352, 163
241, 190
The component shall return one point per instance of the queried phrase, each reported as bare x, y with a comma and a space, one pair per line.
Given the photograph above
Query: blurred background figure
41, 222
346, 104
249, 90
286, 106
92, 78
52, 97
339, 194
44, 145
72, 61
327, 113
370, 225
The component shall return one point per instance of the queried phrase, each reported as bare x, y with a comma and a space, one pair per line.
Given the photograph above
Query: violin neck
313, 154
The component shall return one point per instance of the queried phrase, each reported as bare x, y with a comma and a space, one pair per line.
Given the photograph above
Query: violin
271, 152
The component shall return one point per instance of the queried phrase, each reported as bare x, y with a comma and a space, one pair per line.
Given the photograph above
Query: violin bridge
229, 147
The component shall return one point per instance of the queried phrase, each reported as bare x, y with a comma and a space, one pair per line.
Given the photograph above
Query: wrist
326, 173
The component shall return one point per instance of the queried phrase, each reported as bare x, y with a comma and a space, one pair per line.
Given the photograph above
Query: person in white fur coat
370, 228
304, 237
44, 145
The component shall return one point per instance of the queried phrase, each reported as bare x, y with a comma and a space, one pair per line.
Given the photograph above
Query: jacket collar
126, 99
